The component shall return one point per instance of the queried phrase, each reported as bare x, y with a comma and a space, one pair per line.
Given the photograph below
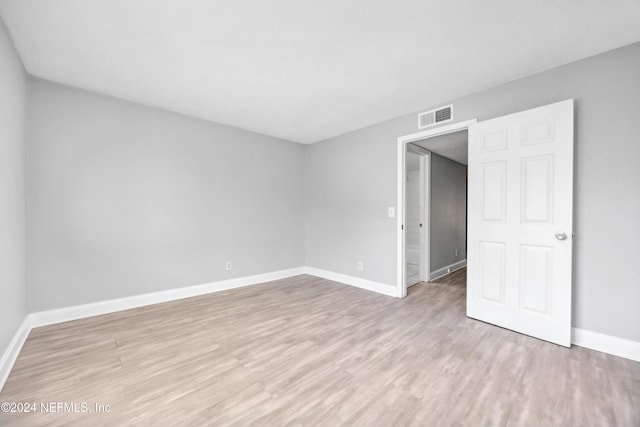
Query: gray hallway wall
448, 212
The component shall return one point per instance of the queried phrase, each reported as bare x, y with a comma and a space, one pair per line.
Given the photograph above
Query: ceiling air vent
434, 117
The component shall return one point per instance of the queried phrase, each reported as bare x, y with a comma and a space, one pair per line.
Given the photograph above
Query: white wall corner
436, 274
606, 343
370, 285
13, 350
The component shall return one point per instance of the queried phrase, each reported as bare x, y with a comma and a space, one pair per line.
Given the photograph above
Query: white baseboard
358, 282
13, 350
593, 340
436, 274
49, 317
606, 343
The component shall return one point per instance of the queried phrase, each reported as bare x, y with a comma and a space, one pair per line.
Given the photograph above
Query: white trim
400, 220
358, 282
606, 343
13, 350
400, 199
436, 274
423, 266
65, 314
425, 211
425, 182
441, 130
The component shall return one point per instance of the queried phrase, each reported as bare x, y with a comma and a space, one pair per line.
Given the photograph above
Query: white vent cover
434, 117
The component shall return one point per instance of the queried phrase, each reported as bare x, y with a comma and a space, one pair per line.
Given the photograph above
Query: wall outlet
456, 252
227, 266
360, 266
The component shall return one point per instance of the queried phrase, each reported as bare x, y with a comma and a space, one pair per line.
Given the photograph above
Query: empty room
358, 213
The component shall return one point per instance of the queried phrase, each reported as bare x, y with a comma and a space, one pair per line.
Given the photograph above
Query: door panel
494, 191
520, 197
492, 271
535, 278
537, 189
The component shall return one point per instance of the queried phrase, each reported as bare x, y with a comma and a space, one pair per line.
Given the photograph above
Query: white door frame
401, 282
425, 210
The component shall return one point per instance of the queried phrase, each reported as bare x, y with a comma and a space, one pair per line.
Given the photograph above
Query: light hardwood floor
307, 351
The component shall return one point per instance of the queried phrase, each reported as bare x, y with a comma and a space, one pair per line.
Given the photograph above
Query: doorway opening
436, 207
432, 195
520, 217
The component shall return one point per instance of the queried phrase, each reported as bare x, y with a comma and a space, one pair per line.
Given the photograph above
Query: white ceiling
454, 146
307, 70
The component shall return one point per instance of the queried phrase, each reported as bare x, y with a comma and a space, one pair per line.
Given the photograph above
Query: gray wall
350, 182
448, 222
352, 178
13, 95
126, 199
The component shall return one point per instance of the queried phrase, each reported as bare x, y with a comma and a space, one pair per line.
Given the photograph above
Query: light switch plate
391, 212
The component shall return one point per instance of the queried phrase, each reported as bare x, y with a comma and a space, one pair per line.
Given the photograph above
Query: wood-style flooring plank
308, 351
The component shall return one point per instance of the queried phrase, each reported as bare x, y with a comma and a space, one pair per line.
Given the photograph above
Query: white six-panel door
520, 222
